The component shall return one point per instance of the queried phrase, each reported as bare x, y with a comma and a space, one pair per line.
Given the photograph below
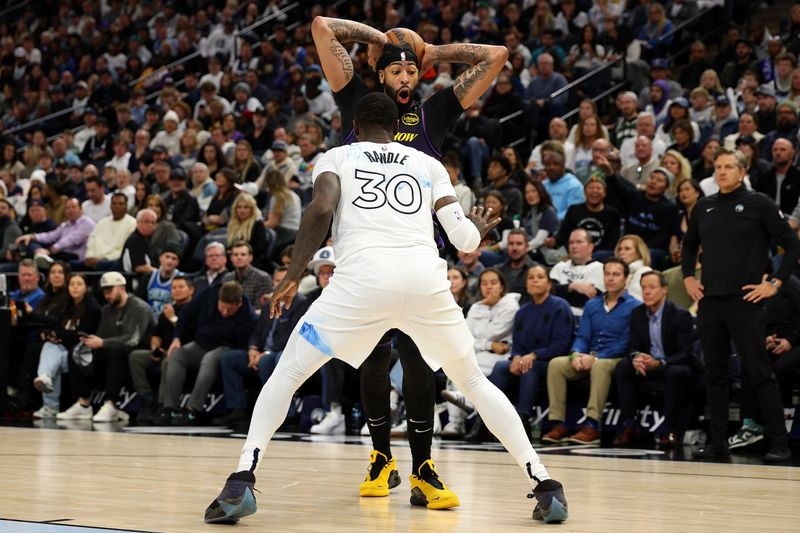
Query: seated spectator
214, 268
498, 175
137, 254
689, 192
600, 344
702, 112
29, 294
281, 161
564, 188
600, 220
97, 206
107, 239
490, 320
645, 126
646, 161
786, 127
748, 125
262, 355
121, 158
515, 269
704, 166
543, 329
680, 167
725, 118
459, 280
244, 163
678, 110
213, 157
633, 250
557, 136
466, 198
652, 215
626, 125
588, 132
782, 181
165, 229
283, 212
494, 200
767, 108
469, 261
578, 279
219, 209
539, 217
67, 242
541, 86
782, 338
31, 321
125, 324
659, 101
656, 35
140, 361
156, 290
81, 314
9, 231
223, 320
659, 350
255, 283
310, 152
756, 167
203, 187
181, 207
187, 156
98, 148
685, 143
246, 226
170, 136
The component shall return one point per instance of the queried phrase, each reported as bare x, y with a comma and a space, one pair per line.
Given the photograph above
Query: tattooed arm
486, 63
329, 36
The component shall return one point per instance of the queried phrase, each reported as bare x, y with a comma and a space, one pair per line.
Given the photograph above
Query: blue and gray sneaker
235, 501
551, 504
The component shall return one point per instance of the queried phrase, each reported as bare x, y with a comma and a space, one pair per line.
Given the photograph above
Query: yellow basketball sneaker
427, 489
381, 477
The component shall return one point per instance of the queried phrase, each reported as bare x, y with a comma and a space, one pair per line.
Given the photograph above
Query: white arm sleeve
460, 230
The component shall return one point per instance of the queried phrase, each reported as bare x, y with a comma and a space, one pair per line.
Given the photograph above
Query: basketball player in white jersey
388, 275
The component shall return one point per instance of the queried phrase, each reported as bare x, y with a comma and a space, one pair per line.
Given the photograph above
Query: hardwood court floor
163, 483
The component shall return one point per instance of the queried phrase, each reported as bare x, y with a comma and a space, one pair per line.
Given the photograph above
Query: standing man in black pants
422, 126
735, 227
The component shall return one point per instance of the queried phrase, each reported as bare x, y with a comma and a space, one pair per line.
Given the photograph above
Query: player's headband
393, 53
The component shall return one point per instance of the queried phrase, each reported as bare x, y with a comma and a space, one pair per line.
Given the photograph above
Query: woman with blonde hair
245, 226
709, 81
794, 88
187, 154
586, 108
680, 167
655, 35
542, 20
244, 162
284, 209
633, 250
589, 130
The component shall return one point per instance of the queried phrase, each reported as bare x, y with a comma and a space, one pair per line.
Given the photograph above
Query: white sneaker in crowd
365, 430
109, 413
332, 424
45, 411
453, 430
400, 429
76, 412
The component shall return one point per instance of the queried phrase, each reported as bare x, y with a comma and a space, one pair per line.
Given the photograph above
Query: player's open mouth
404, 95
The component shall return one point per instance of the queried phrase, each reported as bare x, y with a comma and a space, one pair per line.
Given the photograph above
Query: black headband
393, 53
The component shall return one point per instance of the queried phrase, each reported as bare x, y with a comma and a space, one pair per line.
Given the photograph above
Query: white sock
497, 413
298, 362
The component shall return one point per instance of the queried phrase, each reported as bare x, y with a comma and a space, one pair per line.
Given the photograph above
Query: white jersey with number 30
388, 192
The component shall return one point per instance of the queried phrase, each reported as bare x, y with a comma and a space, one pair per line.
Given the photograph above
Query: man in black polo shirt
738, 225
137, 255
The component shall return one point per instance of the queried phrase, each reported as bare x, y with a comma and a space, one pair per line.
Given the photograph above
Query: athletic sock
594, 424
751, 424
419, 439
375, 390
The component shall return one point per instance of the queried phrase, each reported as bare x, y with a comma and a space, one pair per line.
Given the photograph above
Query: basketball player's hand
762, 291
426, 61
483, 219
694, 288
283, 297
374, 54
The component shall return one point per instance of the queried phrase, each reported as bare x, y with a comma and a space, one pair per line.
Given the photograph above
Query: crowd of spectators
171, 147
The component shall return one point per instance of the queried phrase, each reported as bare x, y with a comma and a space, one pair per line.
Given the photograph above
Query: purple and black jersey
423, 126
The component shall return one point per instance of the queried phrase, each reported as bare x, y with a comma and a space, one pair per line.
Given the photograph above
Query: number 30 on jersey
402, 192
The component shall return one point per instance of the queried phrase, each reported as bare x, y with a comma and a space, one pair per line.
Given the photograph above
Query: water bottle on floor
356, 420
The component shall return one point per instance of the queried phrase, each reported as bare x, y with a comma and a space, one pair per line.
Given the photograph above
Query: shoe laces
429, 475
376, 463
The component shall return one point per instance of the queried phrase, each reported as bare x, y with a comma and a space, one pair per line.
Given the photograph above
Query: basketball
400, 36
